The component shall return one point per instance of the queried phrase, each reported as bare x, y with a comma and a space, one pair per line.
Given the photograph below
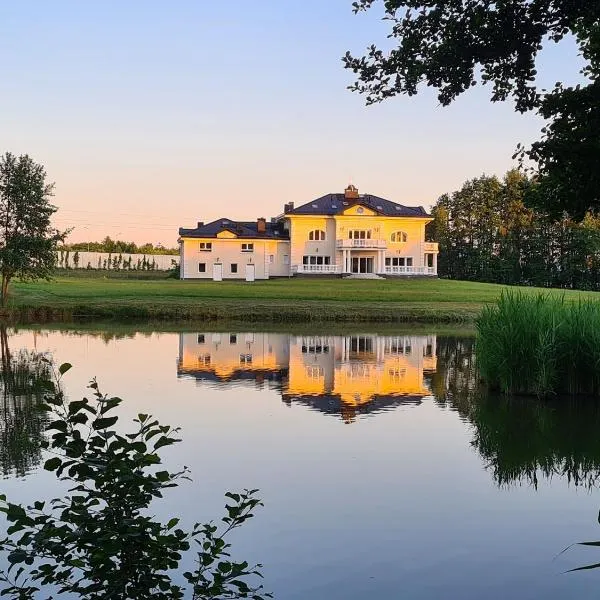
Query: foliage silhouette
100, 541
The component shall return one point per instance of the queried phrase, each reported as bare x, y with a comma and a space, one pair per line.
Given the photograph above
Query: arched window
399, 236
316, 236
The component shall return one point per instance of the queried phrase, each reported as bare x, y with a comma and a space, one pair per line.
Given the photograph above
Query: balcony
317, 269
410, 270
430, 247
347, 244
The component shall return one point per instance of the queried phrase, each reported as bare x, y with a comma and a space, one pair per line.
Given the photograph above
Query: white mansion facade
337, 234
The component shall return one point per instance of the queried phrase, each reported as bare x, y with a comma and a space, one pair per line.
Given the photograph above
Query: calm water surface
384, 471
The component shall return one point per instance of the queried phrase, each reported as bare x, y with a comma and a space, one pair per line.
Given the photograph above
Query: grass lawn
274, 300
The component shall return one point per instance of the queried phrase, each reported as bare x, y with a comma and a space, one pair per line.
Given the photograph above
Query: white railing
302, 269
361, 244
430, 247
410, 271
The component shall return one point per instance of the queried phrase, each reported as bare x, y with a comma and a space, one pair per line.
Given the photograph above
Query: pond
385, 472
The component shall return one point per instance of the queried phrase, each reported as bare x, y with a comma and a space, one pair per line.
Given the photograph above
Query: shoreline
265, 311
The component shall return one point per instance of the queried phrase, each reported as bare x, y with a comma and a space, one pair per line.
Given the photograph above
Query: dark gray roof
242, 229
332, 404
238, 375
333, 204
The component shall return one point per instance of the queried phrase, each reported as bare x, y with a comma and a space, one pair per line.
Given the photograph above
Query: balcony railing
316, 269
347, 243
430, 247
410, 270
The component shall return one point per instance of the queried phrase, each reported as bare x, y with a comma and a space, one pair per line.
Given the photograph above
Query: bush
101, 541
540, 345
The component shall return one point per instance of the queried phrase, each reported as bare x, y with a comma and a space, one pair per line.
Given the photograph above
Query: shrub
539, 345
101, 541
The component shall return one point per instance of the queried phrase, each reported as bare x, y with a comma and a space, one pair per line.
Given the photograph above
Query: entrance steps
363, 276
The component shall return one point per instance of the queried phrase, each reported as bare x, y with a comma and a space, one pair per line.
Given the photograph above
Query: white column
435, 263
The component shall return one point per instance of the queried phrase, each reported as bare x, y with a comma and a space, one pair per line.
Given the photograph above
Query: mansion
338, 234
338, 375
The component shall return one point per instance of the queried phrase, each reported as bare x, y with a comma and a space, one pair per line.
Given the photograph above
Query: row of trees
492, 230
119, 246
115, 263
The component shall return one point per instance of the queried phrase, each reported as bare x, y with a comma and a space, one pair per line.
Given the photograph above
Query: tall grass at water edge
539, 345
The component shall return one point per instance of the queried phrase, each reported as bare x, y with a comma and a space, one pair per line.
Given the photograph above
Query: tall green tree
451, 45
27, 239
488, 231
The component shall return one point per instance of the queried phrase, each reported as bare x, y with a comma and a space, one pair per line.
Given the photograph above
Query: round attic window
360, 210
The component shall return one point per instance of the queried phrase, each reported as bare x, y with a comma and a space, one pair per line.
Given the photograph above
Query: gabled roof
242, 229
333, 204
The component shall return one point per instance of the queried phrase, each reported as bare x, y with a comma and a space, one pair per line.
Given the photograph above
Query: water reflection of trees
23, 379
520, 439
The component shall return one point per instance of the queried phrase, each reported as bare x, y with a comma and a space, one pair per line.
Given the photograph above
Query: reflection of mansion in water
334, 374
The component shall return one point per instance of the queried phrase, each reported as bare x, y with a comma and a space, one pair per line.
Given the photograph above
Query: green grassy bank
282, 300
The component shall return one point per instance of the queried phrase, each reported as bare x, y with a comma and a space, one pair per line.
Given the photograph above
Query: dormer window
316, 236
398, 237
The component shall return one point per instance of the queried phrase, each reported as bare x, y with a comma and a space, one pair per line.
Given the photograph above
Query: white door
250, 272
217, 272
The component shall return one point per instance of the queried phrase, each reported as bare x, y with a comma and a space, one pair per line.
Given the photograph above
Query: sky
151, 115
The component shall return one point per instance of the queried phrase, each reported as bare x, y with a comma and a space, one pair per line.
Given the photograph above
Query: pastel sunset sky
150, 115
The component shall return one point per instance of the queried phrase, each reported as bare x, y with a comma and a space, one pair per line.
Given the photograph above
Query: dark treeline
490, 230
112, 246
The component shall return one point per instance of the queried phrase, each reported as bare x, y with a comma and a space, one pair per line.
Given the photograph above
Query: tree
488, 232
27, 239
101, 540
450, 45
76, 259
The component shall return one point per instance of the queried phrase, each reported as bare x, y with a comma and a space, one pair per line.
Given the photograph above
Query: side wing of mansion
337, 234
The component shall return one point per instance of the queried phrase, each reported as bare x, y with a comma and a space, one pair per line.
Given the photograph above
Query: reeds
540, 345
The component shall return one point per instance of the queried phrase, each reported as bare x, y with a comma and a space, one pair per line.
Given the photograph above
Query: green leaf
64, 368
52, 464
586, 568
104, 423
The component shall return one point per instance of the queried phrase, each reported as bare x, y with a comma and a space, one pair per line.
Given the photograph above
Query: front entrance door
362, 264
250, 272
218, 272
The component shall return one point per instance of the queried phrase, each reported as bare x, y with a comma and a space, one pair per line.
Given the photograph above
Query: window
201, 267
201, 338
247, 247
246, 359
399, 236
205, 246
399, 261
316, 236
314, 372
204, 359
233, 268
233, 338
286, 259
316, 260
359, 234
271, 258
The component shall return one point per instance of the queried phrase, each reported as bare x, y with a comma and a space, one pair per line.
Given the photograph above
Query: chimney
288, 207
351, 193
200, 224
261, 225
